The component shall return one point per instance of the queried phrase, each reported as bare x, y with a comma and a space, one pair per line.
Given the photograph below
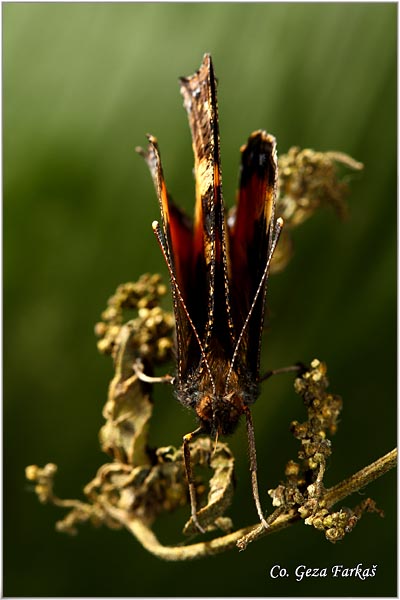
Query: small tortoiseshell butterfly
218, 266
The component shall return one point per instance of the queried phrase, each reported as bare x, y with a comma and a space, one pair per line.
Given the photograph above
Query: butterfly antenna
278, 229
162, 243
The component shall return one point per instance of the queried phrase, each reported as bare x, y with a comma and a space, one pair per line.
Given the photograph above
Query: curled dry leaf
221, 461
128, 408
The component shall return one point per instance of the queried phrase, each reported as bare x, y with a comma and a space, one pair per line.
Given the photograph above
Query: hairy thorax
220, 414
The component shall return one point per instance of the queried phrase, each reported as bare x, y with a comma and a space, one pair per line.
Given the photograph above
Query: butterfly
218, 264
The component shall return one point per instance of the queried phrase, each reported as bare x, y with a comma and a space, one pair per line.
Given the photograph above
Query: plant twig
139, 484
147, 538
360, 479
331, 496
242, 537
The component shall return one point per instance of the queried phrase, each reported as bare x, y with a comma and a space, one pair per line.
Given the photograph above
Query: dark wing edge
177, 231
251, 230
209, 255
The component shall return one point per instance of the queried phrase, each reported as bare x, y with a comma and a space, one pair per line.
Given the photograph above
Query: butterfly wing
177, 234
251, 230
209, 302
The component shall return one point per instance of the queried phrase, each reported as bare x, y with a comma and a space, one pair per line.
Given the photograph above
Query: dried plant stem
361, 478
177, 553
332, 495
242, 537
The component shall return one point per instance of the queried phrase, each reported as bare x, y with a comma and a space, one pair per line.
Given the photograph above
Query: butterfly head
220, 414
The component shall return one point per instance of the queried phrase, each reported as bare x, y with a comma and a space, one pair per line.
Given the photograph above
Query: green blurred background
82, 84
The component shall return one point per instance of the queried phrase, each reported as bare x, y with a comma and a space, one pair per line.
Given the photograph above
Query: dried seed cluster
309, 179
304, 487
153, 326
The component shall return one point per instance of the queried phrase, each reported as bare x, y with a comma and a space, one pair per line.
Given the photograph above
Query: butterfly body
218, 265
217, 412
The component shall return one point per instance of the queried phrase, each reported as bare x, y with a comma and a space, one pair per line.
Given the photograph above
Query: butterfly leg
253, 466
297, 368
189, 475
